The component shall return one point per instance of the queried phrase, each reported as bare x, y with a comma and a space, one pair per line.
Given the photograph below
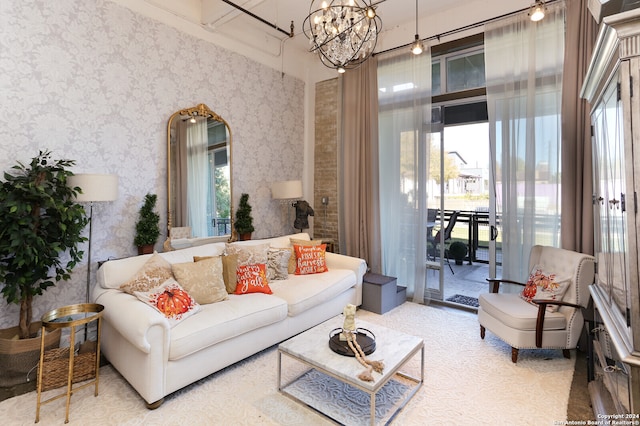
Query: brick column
326, 161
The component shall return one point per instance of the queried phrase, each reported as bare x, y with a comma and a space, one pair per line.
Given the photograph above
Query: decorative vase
19, 358
146, 249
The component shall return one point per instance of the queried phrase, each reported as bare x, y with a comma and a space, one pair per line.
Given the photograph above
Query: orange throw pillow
252, 279
310, 259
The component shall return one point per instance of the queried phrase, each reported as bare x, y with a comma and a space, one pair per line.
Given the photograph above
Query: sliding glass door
458, 187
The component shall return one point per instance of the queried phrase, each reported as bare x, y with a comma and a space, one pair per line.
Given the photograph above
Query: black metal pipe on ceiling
264, 21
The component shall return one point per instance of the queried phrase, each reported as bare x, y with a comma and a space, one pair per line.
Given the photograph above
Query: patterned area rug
463, 300
467, 381
352, 408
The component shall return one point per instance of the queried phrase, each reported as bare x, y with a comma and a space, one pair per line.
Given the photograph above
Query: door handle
493, 233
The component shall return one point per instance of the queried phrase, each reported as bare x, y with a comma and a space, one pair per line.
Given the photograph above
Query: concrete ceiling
217, 13
218, 16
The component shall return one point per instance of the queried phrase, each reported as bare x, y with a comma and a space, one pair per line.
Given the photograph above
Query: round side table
67, 365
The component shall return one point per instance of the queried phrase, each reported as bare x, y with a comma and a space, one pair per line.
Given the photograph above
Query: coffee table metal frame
371, 388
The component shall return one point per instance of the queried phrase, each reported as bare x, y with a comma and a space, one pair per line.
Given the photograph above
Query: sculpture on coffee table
349, 333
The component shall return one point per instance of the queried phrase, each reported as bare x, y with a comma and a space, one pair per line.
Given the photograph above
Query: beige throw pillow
278, 263
248, 255
229, 266
153, 273
202, 280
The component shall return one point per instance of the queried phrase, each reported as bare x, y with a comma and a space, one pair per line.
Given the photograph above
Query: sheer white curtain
198, 176
524, 84
404, 103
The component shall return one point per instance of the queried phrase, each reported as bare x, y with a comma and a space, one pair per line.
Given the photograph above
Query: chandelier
342, 32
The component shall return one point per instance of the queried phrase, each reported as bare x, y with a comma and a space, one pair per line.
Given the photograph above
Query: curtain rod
459, 30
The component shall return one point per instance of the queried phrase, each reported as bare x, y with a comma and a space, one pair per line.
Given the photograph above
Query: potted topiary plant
458, 250
148, 225
244, 222
40, 229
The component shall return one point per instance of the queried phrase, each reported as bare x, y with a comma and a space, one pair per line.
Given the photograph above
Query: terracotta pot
20, 357
146, 249
245, 237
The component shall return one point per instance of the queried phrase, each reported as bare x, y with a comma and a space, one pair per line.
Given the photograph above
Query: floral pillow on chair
544, 285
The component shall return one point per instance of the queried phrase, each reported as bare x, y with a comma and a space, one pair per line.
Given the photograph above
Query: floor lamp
286, 191
95, 188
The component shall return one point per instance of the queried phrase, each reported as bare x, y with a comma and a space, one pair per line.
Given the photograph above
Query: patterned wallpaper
95, 82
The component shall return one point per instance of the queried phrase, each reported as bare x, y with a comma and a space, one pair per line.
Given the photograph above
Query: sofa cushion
278, 263
277, 242
187, 254
155, 271
310, 259
203, 280
252, 279
171, 300
112, 274
514, 312
299, 242
544, 285
225, 320
229, 266
248, 255
303, 292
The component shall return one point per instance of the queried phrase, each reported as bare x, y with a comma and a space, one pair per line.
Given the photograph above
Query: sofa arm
340, 261
133, 319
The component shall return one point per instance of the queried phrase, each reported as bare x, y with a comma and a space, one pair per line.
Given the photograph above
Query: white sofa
158, 360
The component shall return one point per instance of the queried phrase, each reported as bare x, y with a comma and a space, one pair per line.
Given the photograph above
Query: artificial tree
244, 221
39, 223
148, 225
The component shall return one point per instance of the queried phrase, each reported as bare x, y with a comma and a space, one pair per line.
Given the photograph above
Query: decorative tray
365, 338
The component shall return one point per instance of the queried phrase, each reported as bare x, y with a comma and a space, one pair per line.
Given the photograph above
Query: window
465, 71
457, 69
436, 78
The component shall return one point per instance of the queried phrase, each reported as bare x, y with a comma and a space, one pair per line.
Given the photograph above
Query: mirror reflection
199, 174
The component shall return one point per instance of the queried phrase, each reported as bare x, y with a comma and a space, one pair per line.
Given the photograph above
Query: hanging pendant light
343, 33
537, 11
416, 47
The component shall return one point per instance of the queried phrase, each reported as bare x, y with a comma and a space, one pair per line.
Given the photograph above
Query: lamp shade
286, 190
95, 187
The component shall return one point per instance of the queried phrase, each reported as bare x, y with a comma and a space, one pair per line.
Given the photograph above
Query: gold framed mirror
199, 184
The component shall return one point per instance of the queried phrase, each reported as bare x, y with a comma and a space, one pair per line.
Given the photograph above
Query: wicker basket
56, 367
19, 357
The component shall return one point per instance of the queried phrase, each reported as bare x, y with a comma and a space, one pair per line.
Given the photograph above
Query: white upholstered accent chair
524, 325
180, 232
177, 233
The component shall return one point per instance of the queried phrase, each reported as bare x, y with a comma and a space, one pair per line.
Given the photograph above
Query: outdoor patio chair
433, 243
548, 312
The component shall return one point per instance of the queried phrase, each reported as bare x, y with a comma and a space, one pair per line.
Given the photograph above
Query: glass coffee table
311, 348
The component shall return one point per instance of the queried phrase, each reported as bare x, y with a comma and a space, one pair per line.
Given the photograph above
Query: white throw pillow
170, 300
544, 285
